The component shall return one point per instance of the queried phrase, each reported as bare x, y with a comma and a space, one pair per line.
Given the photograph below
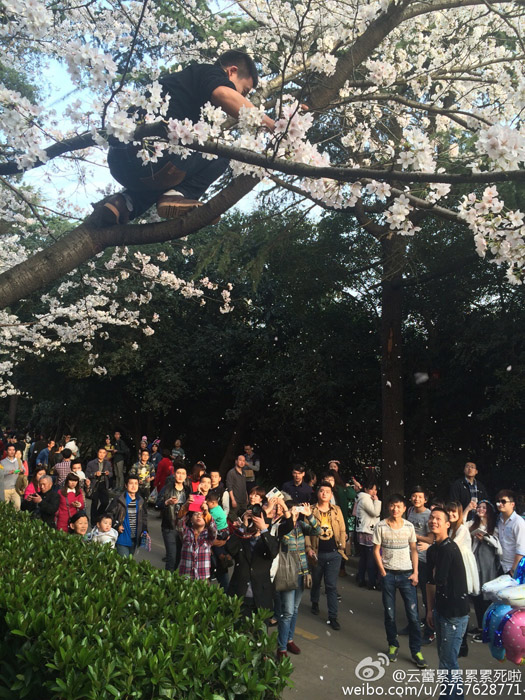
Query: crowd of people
268, 547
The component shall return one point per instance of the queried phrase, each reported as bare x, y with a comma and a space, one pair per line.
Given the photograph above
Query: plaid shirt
62, 470
473, 488
195, 558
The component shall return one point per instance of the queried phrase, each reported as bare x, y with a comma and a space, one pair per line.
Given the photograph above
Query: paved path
327, 666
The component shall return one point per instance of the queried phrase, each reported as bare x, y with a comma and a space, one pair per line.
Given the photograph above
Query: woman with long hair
32, 488
486, 549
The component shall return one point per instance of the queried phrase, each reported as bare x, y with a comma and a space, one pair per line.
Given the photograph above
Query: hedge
78, 622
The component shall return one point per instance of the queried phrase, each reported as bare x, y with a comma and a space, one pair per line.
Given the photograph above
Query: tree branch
84, 242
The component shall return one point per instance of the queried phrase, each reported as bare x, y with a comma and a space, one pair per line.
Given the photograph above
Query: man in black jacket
253, 551
224, 84
47, 501
468, 489
99, 472
447, 596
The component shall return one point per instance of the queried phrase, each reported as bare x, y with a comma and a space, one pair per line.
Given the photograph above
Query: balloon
513, 636
491, 622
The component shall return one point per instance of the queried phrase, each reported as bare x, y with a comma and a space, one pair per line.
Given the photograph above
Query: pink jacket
66, 510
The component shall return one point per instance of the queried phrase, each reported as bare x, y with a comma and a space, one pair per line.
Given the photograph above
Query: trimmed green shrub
78, 622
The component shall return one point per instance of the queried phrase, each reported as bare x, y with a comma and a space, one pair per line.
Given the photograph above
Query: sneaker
428, 639
419, 660
478, 638
339, 598
334, 624
393, 651
293, 648
111, 213
173, 204
282, 655
315, 608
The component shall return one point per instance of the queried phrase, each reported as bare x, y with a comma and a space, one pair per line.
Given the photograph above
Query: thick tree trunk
392, 471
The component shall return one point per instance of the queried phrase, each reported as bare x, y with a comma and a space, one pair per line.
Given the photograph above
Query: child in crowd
220, 559
104, 532
218, 514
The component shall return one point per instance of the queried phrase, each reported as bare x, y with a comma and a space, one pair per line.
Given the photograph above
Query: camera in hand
257, 510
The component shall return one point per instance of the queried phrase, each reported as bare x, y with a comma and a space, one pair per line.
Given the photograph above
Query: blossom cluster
496, 230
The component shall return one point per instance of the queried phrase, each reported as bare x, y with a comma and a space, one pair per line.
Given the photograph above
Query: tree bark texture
392, 471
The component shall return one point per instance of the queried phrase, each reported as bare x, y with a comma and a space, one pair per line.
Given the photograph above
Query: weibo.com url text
429, 690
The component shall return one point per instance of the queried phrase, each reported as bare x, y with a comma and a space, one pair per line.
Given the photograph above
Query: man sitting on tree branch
173, 183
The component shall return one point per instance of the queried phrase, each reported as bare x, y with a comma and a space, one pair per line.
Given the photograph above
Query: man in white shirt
396, 557
510, 531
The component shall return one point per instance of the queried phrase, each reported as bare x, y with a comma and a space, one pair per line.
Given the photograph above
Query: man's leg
409, 595
389, 607
146, 183
332, 566
317, 577
170, 543
450, 631
94, 506
124, 551
371, 567
118, 470
11, 496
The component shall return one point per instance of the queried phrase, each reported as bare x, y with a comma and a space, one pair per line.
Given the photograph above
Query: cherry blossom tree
414, 110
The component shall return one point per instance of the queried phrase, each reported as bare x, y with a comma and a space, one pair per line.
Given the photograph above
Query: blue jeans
449, 633
290, 601
125, 551
328, 566
145, 184
391, 583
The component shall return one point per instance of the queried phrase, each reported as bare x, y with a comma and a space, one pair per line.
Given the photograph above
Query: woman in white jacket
367, 511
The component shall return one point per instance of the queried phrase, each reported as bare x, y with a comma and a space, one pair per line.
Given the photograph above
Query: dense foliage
78, 622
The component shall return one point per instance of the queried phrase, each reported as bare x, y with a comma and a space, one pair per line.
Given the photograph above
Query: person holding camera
253, 549
198, 535
304, 523
47, 501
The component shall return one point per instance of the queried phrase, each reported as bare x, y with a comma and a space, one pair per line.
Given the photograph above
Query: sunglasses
503, 502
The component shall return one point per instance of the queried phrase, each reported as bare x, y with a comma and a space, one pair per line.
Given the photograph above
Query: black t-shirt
446, 570
191, 88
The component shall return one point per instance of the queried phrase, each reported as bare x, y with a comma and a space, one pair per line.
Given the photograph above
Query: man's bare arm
231, 102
